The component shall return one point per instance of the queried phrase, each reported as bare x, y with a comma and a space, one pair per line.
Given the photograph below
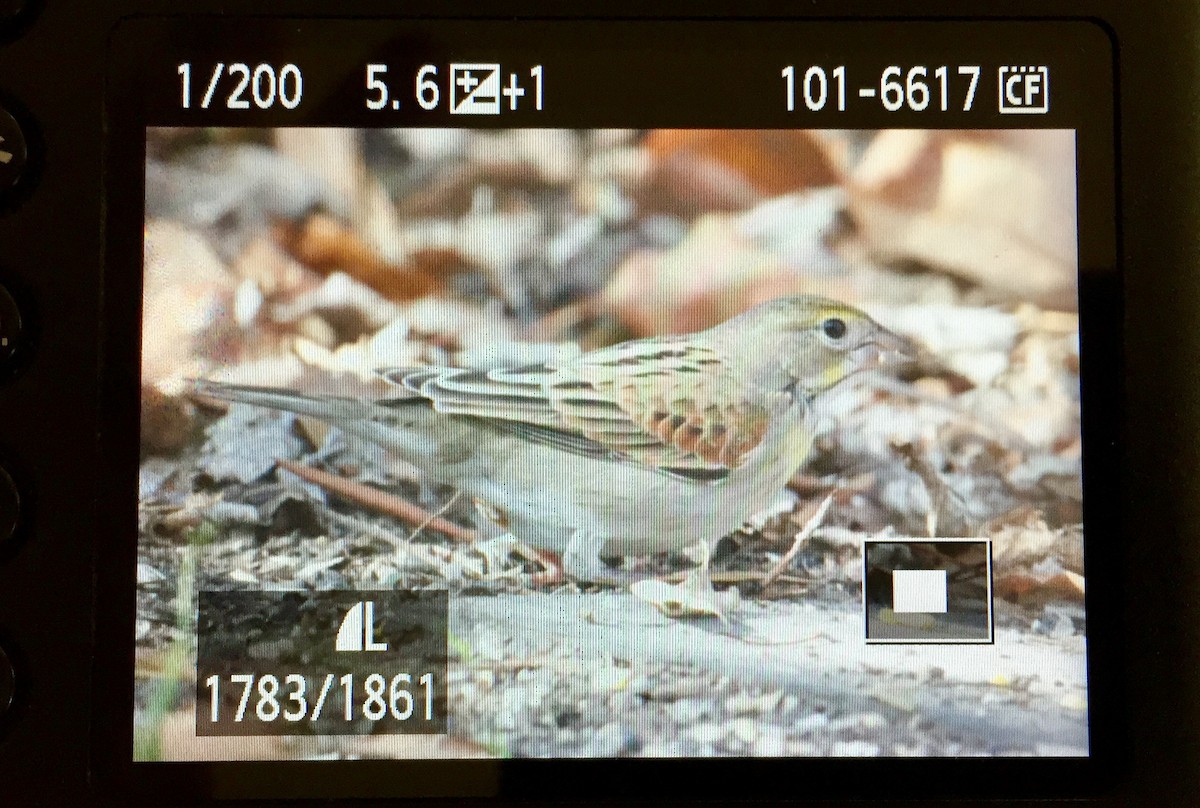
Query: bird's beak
884, 349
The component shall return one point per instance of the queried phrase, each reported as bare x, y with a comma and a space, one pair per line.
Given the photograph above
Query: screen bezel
1101, 313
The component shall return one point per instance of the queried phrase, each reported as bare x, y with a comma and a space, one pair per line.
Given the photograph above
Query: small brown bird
651, 445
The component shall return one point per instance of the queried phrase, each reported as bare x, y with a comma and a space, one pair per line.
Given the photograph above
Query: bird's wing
670, 404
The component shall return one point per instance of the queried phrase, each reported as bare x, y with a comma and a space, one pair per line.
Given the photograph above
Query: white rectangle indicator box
919, 591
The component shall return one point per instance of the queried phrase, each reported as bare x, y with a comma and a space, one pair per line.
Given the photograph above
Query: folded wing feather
668, 404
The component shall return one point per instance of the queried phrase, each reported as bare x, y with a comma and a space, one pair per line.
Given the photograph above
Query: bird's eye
834, 327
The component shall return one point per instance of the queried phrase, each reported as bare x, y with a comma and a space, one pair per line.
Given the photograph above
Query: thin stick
809, 527
735, 577
417, 531
425, 554
378, 500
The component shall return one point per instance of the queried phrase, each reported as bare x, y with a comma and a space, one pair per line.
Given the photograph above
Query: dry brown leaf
326, 245
452, 191
704, 170
188, 304
1027, 588
274, 271
1015, 547
712, 275
983, 252
996, 210
167, 421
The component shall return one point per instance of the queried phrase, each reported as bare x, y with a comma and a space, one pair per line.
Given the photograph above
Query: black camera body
605, 403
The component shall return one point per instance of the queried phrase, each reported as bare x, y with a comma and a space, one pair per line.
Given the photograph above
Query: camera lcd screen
491, 410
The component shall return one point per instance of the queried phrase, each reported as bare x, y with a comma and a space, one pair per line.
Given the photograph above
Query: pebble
610, 679
769, 702
810, 722
147, 574
612, 740
690, 711
1057, 750
567, 717
854, 749
1074, 701
707, 733
770, 743
745, 730
802, 749
515, 704
686, 712
861, 722
642, 684
742, 704
662, 749
624, 701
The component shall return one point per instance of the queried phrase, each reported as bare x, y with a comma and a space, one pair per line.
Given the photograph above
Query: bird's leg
553, 568
495, 552
695, 596
699, 581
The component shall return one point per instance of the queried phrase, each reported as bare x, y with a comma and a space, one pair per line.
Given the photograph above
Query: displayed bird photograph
636, 401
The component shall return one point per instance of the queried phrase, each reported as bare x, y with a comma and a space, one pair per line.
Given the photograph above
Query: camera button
13, 151
8, 682
10, 507
11, 328
15, 16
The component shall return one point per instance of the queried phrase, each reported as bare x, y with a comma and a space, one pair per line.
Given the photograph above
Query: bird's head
819, 341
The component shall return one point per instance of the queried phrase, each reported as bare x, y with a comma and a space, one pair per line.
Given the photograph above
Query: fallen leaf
994, 210
326, 245
705, 170
167, 421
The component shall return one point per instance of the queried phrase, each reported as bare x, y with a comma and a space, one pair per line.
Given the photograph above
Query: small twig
379, 500
422, 553
440, 511
207, 402
733, 577
946, 506
809, 527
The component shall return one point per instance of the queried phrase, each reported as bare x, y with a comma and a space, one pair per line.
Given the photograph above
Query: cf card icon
1025, 89
474, 89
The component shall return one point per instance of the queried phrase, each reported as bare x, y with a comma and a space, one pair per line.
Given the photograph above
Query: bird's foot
552, 569
497, 553
695, 596
497, 556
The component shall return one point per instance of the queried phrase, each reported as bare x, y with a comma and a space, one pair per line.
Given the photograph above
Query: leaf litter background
305, 258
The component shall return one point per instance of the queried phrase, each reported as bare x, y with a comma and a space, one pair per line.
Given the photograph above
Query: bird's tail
405, 426
324, 407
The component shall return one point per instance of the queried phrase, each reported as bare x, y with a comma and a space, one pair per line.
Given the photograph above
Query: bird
657, 444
